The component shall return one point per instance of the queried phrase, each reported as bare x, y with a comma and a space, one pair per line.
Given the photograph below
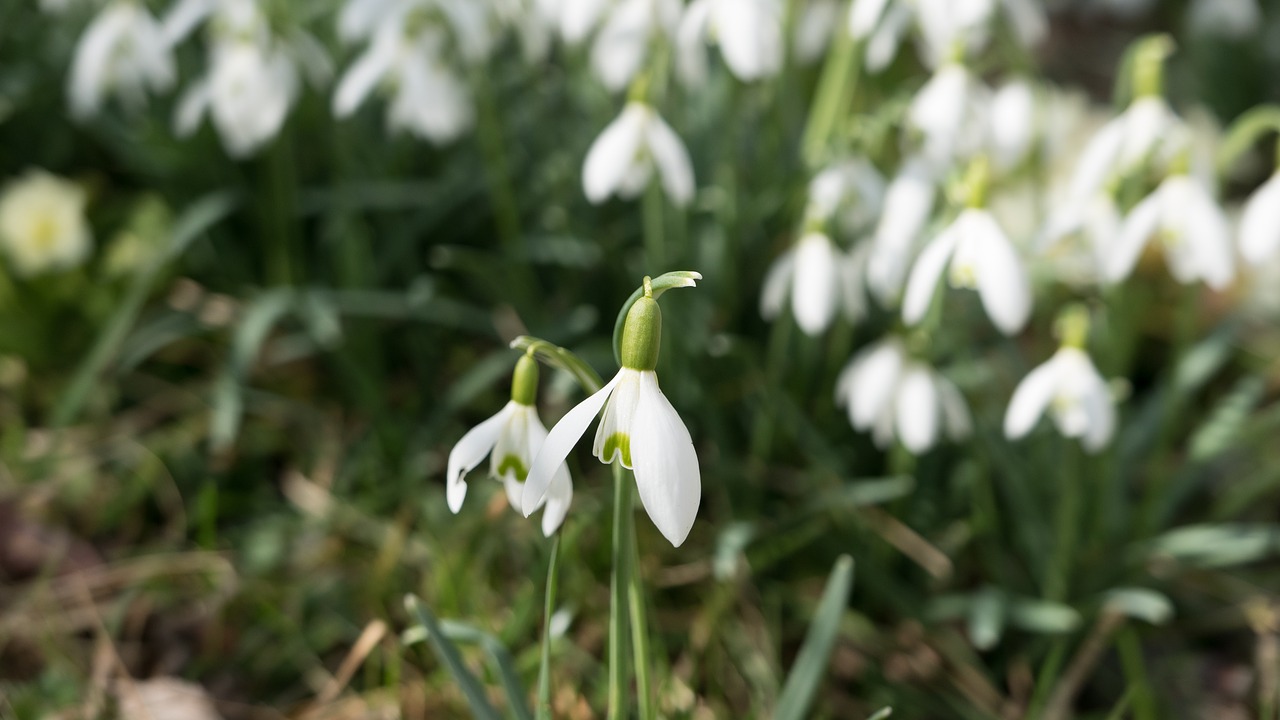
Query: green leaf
1222, 428
811, 664
1217, 545
1140, 603
502, 661
481, 708
544, 666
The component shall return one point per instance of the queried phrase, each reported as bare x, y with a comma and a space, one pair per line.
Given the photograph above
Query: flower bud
642, 335
524, 381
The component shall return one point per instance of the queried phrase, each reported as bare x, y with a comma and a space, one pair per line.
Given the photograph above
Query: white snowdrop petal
1031, 398
874, 377
864, 15
1097, 161
750, 36
923, 281
669, 154
620, 47
470, 450
1141, 223
1209, 237
1003, 284
613, 153
691, 55
955, 412
191, 108
814, 292
559, 498
666, 465
908, 202
1260, 223
362, 77
917, 409
559, 444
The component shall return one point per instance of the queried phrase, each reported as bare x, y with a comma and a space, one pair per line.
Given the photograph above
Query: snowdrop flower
1012, 123
851, 191
908, 203
949, 112
42, 223
1192, 230
247, 93
621, 161
881, 24
1069, 387
428, 99
1260, 224
978, 255
123, 51
620, 47
749, 33
511, 440
893, 395
818, 279
638, 428
946, 25
577, 18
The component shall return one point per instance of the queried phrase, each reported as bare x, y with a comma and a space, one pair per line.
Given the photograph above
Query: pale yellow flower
42, 223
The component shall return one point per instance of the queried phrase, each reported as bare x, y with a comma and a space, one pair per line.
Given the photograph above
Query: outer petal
363, 75
814, 292
864, 15
776, 284
1031, 398
1137, 229
559, 442
1002, 280
853, 285
873, 381
620, 46
1260, 224
666, 465
883, 45
183, 17
917, 408
91, 68
474, 447
691, 52
923, 281
1102, 416
1097, 161
613, 153
750, 34
191, 108
1209, 237
907, 205
955, 413
578, 17
674, 167
1013, 115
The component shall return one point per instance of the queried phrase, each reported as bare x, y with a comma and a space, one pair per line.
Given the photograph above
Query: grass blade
811, 663
502, 661
481, 708
544, 668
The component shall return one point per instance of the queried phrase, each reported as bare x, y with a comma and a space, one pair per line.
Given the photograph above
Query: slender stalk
278, 218
544, 670
1081, 665
619, 672
1141, 697
640, 629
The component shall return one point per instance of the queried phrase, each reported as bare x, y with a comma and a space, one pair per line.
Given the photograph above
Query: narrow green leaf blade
811, 663
481, 708
502, 661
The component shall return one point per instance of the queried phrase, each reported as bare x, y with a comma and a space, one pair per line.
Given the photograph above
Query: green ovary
617, 442
515, 465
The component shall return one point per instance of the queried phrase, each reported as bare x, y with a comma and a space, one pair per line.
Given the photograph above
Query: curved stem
619, 672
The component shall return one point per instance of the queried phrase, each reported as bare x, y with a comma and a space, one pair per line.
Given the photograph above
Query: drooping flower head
1069, 388
123, 52
42, 223
893, 395
511, 439
749, 33
622, 159
638, 428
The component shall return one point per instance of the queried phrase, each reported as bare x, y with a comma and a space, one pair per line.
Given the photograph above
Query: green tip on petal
617, 444
514, 465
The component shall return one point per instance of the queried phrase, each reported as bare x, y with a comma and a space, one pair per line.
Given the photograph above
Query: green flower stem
278, 215
544, 670
619, 672
506, 211
640, 627
654, 247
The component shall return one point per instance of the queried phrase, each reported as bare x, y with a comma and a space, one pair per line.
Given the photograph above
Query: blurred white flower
624, 40
1260, 224
818, 279
881, 24
511, 440
122, 52
1191, 227
949, 30
42, 223
1012, 123
852, 191
622, 159
253, 77
817, 22
1229, 19
946, 25
979, 256
908, 204
949, 112
749, 33
427, 98
893, 395
1075, 395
